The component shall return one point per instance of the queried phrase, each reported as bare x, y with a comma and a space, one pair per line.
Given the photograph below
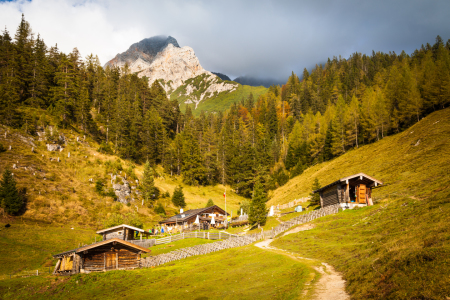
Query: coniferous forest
314, 117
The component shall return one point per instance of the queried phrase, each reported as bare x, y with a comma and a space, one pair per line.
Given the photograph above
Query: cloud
253, 37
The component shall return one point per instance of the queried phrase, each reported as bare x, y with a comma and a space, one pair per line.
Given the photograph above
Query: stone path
330, 286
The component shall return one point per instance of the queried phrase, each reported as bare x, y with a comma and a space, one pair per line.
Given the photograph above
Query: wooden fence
231, 240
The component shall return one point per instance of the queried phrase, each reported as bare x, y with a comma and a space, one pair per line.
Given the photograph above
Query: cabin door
110, 260
362, 193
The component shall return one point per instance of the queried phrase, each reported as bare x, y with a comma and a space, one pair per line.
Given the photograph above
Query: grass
223, 101
397, 249
160, 249
404, 168
240, 273
29, 245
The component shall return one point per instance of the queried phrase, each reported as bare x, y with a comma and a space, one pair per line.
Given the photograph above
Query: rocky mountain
176, 68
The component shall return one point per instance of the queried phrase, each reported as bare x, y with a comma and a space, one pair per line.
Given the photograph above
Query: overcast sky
257, 38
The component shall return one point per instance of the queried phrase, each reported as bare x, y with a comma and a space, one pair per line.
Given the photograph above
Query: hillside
409, 163
201, 98
64, 191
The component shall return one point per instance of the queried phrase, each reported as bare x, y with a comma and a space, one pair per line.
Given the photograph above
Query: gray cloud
256, 38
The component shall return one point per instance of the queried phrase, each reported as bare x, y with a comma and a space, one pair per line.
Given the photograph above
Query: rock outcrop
161, 58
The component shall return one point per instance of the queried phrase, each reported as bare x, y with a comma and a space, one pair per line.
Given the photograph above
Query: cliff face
161, 58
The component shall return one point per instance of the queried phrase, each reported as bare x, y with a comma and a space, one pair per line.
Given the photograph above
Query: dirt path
330, 286
303, 227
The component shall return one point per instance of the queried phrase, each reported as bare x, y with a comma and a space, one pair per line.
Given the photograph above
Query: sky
259, 38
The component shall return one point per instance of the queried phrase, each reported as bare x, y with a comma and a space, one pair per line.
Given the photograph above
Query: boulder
53, 147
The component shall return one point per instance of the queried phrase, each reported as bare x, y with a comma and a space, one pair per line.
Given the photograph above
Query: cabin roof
189, 214
120, 227
98, 244
365, 178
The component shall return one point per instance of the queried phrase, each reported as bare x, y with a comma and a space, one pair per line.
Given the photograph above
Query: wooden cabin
351, 191
111, 254
123, 232
188, 217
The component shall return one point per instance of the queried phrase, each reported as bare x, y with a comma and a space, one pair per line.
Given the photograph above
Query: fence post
208, 235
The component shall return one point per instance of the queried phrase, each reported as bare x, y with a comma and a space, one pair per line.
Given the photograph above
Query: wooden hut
188, 217
110, 254
123, 232
351, 191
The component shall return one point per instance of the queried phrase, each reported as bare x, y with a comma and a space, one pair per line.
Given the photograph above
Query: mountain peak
146, 50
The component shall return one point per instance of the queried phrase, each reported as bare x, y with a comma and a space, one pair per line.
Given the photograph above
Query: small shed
123, 232
111, 254
351, 191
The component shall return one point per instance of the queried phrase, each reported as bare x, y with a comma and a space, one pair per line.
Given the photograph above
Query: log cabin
110, 254
349, 192
188, 217
124, 232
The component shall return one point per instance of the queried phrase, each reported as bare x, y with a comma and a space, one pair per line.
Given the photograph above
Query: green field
223, 101
397, 249
240, 273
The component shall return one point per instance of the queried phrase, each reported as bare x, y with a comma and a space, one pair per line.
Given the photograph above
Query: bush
160, 210
99, 187
105, 148
2, 148
210, 203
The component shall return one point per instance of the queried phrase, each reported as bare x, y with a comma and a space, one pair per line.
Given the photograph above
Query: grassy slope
164, 248
399, 248
406, 169
222, 101
240, 273
29, 245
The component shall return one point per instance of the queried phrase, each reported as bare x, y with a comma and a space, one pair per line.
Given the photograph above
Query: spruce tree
148, 184
209, 203
315, 198
258, 210
178, 197
11, 199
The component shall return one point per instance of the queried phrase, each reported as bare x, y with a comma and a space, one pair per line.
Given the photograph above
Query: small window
120, 232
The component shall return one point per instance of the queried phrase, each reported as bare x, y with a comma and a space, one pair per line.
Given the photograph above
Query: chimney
181, 210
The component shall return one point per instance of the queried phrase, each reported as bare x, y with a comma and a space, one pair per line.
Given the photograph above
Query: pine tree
328, 146
209, 203
178, 197
11, 199
148, 184
315, 197
258, 210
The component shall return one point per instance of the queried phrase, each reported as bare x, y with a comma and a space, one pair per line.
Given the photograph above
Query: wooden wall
115, 234
109, 257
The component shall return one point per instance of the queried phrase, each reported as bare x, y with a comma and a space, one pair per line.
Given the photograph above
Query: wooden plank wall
105, 258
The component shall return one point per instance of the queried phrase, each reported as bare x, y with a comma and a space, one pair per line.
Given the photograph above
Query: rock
10, 148
417, 144
122, 191
32, 149
14, 166
68, 155
53, 147
162, 58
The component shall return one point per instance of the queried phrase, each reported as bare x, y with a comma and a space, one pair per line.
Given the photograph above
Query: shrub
160, 210
2, 148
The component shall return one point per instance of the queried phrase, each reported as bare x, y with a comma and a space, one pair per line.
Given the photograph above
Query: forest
317, 116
